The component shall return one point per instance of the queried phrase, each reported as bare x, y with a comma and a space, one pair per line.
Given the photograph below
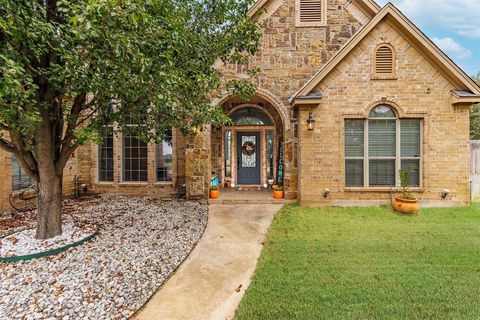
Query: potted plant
274, 185
278, 193
406, 203
214, 192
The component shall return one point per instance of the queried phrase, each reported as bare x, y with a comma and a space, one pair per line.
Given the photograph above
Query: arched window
250, 116
378, 147
382, 146
382, 111
384, 60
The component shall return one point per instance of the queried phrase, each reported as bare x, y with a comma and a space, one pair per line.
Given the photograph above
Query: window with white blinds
311, 12
378, 147
354, 152
410, 130
382, 147
20, 179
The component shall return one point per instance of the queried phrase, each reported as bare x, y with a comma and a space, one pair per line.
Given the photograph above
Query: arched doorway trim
254, 106
270, 98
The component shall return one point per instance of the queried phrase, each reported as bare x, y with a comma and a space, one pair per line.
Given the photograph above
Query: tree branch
23, 155
7, 146
10, 148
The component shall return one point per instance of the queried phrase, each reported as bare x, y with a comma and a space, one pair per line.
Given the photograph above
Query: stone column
290, 165
197, 165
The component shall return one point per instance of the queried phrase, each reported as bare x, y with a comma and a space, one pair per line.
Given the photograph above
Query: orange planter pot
406, 206
278, 194
214, 194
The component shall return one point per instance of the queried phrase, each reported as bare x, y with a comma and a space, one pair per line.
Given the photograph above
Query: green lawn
368, 263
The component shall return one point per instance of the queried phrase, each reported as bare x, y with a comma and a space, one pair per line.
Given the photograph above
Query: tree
71, 67
475, 116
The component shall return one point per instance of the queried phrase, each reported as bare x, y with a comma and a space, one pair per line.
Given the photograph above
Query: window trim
165, 182
98, 146
398, 156
122, 153
122, 167
230, 152
322, 23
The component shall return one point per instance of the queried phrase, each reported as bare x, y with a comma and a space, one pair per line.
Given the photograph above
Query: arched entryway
249, 151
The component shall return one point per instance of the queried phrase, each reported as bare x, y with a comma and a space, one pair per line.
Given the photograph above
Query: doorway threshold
230, 196
249, 188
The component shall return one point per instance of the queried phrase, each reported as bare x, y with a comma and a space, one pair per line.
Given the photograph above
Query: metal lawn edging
49, 252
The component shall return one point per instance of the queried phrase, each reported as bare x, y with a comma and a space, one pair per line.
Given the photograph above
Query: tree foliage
68, 68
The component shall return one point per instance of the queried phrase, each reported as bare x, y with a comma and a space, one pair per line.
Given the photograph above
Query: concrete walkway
204, 287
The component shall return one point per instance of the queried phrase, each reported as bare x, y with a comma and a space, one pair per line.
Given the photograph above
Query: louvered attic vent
311, 11
384, 61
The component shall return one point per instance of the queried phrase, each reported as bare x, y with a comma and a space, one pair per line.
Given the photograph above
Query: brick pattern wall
69, 173
419, 91
89, 166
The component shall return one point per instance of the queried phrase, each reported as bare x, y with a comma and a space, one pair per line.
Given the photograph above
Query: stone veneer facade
290, 56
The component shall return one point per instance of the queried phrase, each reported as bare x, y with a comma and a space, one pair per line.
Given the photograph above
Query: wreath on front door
248, 148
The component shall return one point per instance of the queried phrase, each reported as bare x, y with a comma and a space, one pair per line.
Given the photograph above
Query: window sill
163, 183
133, 183
382, 189
106, 183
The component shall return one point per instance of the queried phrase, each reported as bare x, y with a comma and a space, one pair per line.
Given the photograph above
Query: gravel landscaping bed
141, 241
24, 242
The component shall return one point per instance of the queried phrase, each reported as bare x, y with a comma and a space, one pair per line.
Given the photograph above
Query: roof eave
458, 100
367, 5
256, 6
305, 101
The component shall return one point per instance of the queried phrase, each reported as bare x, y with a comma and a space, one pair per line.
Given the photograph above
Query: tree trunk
49, 205
49, 201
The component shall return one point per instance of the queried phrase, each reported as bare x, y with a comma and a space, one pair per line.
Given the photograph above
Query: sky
454, 25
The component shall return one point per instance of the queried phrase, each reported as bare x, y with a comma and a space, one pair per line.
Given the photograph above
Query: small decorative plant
405, 182
406, 203
215, 188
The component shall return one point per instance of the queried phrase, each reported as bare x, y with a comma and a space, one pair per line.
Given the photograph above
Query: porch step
248, 188
250, 201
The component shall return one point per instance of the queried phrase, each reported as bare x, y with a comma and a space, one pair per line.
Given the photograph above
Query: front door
248, 158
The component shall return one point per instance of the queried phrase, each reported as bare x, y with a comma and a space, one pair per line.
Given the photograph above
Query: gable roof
368, 6
444, 63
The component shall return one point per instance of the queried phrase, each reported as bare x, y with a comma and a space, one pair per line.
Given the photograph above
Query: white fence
475, 168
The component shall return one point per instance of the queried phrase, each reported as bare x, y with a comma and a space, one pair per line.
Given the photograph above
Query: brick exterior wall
419, 91
89, 169
289, 57
71, 169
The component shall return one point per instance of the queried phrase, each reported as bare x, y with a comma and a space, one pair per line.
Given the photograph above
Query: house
350, 93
